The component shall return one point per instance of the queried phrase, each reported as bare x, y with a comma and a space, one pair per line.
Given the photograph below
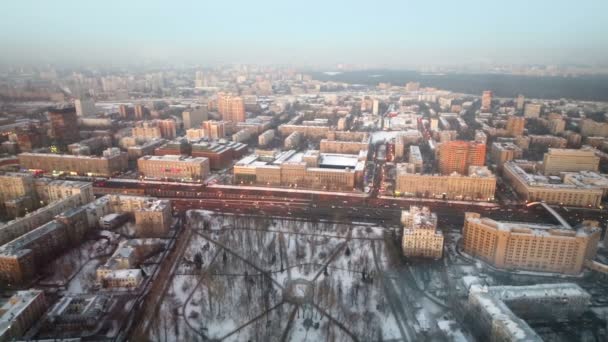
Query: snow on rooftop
341, 160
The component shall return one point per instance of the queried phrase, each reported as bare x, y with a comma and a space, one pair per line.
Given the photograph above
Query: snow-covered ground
240, 275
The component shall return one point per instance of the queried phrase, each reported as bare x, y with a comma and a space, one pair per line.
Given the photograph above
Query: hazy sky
399, 32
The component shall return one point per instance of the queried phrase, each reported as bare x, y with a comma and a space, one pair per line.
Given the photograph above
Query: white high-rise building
85, 107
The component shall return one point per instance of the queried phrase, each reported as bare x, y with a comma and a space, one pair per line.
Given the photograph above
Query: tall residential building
420, 235
64, 125
458, 156
486, 100
521, 101
530, 246
214, 129
168, 128
155, 129
502, 152
558, 160
199, 79
231, 108
375, 106
532, 110
194, 117
415, 158
556, 125
140, 112
515, 126
85, 107
123, 110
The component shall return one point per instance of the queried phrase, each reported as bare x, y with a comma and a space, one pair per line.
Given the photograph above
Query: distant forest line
587, 87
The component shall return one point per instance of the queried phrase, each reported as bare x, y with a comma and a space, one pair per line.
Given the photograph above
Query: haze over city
333, 171
305, 33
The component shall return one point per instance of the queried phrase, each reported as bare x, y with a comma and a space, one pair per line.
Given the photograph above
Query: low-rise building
127, 257
542, 302
145, 149
152, 216
500, 309
420, 235
73, 312
220, 155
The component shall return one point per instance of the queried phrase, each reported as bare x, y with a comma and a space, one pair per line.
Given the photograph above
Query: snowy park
267, 279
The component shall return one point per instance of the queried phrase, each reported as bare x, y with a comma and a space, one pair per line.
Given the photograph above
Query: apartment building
420, 235
479, 184
530, 246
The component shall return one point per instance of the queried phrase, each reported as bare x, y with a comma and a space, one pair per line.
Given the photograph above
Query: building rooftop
175, 158
560, 290
538, 229
70, 156
12, 307
335, 160
15, 247
572, 180
502, 317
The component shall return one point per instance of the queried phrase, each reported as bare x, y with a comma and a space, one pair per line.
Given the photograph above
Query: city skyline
386, 33
303, 171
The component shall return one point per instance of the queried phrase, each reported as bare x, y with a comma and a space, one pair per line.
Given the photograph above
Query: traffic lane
299, 210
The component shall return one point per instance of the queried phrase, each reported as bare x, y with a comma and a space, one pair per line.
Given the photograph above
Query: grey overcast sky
379, 32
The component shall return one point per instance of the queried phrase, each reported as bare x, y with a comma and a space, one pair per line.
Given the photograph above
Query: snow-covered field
262, 279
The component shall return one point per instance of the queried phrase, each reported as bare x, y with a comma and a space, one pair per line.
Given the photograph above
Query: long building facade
529, 246
559, 160
173, 167
480, 184
582, 190
302, 170
112, 162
